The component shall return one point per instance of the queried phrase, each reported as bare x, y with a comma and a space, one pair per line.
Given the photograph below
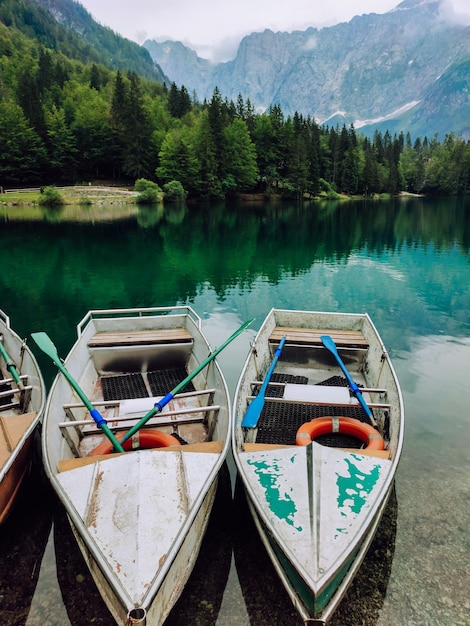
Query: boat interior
129, 373
308, 384
14, 416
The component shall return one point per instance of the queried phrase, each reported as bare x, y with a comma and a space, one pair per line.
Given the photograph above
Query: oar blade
251, 417
44, 342
330, 345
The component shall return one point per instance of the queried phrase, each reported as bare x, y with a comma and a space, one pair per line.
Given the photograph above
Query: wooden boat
22, 400
139, 517
317, 455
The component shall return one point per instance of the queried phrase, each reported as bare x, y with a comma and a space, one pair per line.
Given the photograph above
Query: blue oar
46, 345
251, 417
330, 345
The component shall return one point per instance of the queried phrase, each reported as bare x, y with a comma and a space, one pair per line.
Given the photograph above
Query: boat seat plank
260, 447
381, 454
140, 338
12, 428
312, 336
212, 447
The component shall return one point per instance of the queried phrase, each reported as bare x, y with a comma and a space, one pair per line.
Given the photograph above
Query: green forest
64, 121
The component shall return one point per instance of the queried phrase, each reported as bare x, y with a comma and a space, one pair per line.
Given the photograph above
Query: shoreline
77, 194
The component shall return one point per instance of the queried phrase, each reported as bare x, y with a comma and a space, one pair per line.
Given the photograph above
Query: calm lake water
406, 262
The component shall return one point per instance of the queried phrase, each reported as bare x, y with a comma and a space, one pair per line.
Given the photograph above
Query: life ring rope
141, 440
345, 425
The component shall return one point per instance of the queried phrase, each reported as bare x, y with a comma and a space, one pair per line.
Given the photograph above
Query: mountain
183, 65
66, 26
444, 108
406, 69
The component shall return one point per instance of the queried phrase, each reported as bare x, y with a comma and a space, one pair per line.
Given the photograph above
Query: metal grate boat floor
128, 386
279, 421
163, 381
124, 386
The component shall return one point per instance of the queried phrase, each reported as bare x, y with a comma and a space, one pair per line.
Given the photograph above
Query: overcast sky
214, 27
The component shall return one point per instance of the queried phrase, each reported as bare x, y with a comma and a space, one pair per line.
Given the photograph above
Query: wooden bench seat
12, 428
312, 336
262, 447
140, 338
214, 447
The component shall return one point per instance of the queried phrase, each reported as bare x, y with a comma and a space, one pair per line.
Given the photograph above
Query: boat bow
117, 501
317, 502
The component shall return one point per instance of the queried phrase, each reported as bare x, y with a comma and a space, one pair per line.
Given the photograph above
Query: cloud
311, 43
214, 28
456, 11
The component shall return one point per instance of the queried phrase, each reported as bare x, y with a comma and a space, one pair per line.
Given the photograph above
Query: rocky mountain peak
373, 68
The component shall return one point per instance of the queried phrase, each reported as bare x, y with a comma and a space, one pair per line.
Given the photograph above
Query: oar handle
277, 354
330, 345
251, 417
11, 367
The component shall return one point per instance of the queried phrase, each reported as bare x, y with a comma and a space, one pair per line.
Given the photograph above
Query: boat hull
156, 608
307, 603
21, 410
14, 478
139, 517
317, 507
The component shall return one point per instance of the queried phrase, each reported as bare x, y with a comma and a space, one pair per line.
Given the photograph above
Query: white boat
22, 400
317, 436
139, 517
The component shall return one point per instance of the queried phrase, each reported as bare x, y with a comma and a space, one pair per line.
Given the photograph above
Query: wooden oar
158, 406
251, 417
11, 367
46, 345
330, 345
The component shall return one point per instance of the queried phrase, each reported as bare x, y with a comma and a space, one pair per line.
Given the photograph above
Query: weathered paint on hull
139, 517
310, 607
159, 605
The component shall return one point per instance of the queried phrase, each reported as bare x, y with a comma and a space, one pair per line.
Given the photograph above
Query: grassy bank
82, 195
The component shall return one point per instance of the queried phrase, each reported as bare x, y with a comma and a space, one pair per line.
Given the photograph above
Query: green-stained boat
317, 436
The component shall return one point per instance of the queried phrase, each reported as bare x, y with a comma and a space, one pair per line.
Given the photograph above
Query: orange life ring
346, 425
142, 439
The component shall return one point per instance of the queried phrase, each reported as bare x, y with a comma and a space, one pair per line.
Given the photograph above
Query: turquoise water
406, 262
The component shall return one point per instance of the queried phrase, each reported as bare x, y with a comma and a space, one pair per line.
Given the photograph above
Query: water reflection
149, 215
405, 262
